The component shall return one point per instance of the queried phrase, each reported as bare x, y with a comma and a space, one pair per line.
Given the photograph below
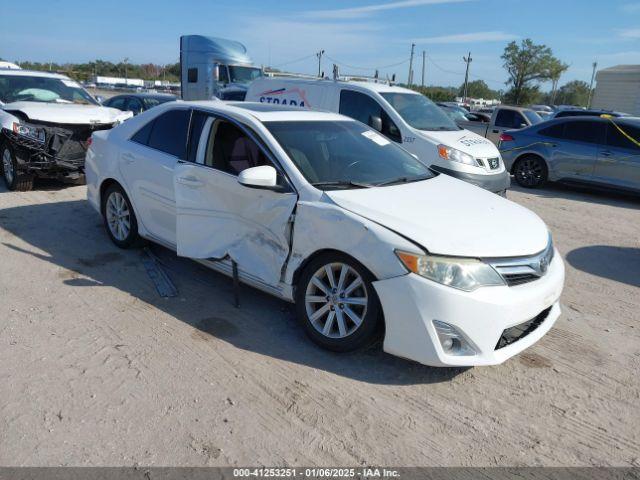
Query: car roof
31, 73
143, 95
379, 87
263, 113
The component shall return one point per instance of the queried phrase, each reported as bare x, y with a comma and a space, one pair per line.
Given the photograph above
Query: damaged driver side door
218, 218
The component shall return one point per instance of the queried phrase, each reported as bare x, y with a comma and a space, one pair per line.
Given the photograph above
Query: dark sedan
599, 151
138, 102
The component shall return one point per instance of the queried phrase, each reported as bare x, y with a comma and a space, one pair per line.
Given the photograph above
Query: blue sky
358, 33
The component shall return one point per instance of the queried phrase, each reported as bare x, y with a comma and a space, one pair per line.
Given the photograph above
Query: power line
294, 61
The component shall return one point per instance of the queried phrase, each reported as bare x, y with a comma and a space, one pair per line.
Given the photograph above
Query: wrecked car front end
51, 150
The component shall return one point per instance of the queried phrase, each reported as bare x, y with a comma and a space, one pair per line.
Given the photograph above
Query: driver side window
231, 150
363, 108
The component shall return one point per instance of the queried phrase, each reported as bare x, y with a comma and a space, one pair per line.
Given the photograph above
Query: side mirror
215, 72
99, 98
264, 176
375, 123
523, 125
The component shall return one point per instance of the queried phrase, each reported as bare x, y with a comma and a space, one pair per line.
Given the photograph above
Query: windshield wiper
342, 183
402, 180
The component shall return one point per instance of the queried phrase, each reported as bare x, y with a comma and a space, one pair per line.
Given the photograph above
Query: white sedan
323, 211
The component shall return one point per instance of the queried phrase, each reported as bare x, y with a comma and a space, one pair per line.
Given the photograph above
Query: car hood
465, 141
67, 113
449, 217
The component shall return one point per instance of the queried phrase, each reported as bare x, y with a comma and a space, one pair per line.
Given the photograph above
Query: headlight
453, 155
29, 131
463, 273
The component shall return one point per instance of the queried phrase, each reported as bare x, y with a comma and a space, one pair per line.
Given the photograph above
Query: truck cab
403, 116
503, 118
215, 68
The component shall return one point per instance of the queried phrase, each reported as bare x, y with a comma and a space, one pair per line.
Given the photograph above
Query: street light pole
593, 76
423, 61
467, 60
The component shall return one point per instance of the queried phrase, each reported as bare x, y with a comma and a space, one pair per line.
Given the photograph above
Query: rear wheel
337, 303
119, 218
530, 171
13, 178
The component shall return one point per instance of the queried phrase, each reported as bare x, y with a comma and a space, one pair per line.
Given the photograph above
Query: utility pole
467, 60
126, 77
423, 58
409, 78
319, 55
593, 76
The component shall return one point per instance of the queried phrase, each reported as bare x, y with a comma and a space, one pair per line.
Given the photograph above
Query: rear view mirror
375, 123
264, 176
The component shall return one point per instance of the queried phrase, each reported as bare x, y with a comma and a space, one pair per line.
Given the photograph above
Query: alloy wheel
530, 172
336, 300
7, 165
118, 216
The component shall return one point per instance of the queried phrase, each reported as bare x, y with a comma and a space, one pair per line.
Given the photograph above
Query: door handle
128, 158
605, 153
496, 131
190, 181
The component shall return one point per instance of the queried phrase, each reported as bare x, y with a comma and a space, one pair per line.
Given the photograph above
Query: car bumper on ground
495, 182
412, 303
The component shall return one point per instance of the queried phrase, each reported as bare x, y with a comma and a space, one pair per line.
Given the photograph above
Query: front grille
514, 279
513, 334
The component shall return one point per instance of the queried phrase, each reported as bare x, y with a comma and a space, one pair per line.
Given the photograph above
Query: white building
618, 89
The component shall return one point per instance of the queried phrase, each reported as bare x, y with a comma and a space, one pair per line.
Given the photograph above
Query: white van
404, 116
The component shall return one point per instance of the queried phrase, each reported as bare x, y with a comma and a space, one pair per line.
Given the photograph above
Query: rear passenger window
362, 107
583, 131
142, 135
169, 133
554, 131
117, 103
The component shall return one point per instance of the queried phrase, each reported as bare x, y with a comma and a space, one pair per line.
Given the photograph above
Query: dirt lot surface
97, 369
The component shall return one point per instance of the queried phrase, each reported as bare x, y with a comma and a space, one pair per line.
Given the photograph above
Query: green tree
478, 89
574, 93
556, 69
437, 94
527, 64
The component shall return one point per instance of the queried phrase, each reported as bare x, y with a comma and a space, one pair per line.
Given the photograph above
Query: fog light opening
451, 340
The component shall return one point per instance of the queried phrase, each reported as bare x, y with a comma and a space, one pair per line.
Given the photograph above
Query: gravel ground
97, 369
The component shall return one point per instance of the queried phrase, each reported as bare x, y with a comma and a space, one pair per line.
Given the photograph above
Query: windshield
345, 154
454, 114
532, 116
15, 88
243, 74
419, 112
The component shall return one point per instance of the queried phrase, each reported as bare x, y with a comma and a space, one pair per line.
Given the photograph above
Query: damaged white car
46, 120
323, 211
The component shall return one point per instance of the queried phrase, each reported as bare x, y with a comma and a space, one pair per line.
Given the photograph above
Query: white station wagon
323, 211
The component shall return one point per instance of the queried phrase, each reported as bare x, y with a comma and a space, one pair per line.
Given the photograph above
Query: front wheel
337, 304
119, 218
530, 171
13, 178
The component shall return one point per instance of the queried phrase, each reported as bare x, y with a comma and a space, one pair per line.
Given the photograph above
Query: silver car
598, 151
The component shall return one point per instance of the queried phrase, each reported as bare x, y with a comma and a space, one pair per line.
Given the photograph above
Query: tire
336, 328
531, 171
13, 178
119, 218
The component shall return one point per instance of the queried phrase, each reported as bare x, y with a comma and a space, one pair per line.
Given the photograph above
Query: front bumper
411, 303
494, 182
